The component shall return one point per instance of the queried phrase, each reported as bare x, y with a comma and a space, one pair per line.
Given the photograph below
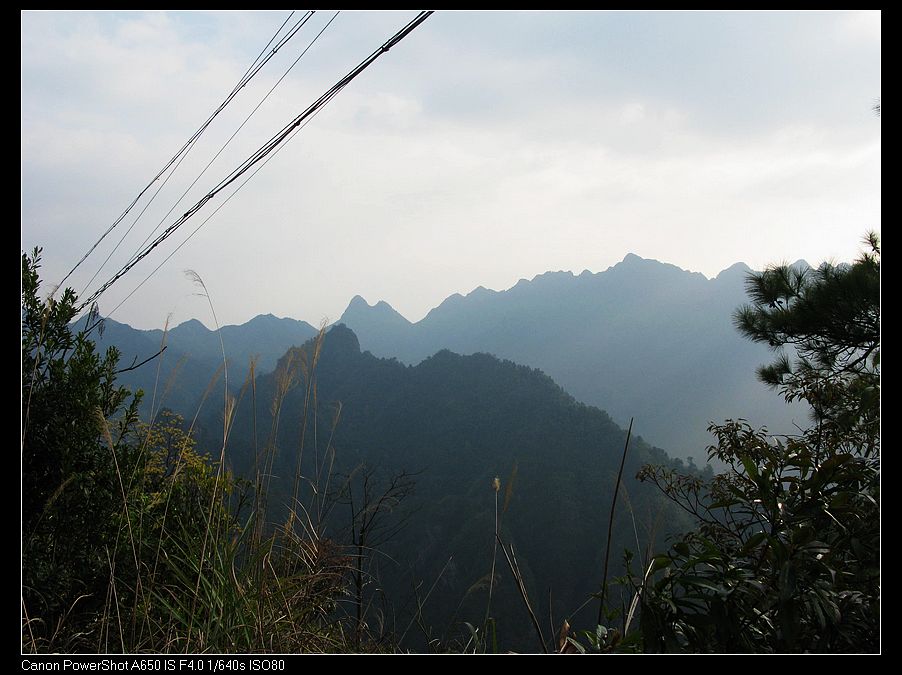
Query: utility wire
265, 150
246, 180
241, 83
208, 218
252, 70
229, 140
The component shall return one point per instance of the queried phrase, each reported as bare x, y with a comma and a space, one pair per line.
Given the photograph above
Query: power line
229, 140
207, 219
241, 83
254, 68
265, 150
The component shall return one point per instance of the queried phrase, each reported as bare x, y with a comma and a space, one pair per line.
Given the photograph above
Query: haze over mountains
193, 356
642, 339
452, 423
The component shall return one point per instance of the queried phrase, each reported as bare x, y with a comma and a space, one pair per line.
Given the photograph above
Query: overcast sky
482, 149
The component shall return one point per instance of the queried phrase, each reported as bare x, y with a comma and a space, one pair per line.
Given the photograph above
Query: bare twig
607, 553
515, 570
138, 365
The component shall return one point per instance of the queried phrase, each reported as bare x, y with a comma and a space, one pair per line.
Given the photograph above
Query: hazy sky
484, 148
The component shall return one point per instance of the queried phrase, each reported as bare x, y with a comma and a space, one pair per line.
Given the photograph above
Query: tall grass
194, 565
244, 585
483, 638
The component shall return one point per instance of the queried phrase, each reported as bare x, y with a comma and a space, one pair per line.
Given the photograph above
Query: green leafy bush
786, 555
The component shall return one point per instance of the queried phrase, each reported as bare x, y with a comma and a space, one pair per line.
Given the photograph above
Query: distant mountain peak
481, 291
453, 299
631, 261
192, 326
360, 312
264, 319
739, 269
274, 323
358, 302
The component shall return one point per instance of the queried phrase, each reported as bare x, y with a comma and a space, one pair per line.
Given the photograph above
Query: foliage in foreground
131, 540
786, 555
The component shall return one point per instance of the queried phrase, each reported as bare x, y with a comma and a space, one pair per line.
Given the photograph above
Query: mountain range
511, 384
192, 361
642, 339
348, 423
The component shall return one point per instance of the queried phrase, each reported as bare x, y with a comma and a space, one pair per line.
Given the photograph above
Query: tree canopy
786, 555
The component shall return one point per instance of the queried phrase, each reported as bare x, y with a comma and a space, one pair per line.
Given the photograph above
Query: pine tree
786, 555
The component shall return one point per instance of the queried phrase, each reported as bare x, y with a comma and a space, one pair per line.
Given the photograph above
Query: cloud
484, 148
